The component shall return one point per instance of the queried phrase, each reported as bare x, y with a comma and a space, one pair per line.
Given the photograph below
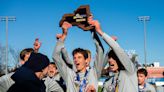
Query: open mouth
51, 71
77, 64
112, 65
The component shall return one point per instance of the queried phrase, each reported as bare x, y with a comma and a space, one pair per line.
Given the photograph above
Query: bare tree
2, 59
13, 58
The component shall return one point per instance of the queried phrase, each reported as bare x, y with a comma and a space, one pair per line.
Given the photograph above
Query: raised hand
65, 26
95, 24
37, 45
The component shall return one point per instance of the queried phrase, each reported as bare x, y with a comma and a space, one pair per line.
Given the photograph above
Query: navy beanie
37, 62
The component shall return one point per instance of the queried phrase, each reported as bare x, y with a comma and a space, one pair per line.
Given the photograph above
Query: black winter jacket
26, 81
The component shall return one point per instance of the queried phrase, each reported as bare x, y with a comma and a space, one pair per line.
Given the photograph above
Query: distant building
156, 77
155, 72
156, 64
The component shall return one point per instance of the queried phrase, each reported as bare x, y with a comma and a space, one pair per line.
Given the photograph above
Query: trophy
78, 18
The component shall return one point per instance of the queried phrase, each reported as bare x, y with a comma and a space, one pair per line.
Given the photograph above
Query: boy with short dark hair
82, 80
143, 86
53, 81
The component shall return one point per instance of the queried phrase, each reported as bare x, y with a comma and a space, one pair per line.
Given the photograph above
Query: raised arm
99, 61
61, 65
106, 55
121, 54
65, 56
123, 57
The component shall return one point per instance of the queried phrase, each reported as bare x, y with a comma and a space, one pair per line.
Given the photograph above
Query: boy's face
141, 78
80, 62
113, 65
52, 70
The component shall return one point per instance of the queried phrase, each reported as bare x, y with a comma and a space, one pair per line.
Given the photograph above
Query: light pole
144, 19
7, 18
